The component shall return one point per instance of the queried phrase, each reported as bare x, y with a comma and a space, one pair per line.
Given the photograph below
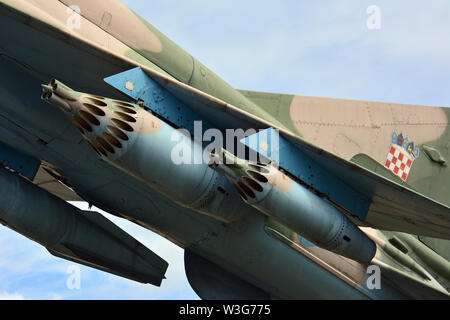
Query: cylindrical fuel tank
84, 237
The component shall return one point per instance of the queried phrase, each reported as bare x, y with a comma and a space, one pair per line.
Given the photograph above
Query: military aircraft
271, 196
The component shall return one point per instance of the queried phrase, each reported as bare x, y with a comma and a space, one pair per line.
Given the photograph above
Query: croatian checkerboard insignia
401, 156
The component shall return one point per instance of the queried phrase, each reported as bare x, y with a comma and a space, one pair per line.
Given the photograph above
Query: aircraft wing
393, 206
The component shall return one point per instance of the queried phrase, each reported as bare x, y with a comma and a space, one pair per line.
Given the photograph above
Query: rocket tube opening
112, 140
123, 104
93, 147
122, 125
106, 145
97, 97
83, 123
246, 190
257, 176
57, 101
126, 110
240, 192
125, 116
79, 128
62, 90
46, 95
99, 147
89, 118
253, 184
259, 169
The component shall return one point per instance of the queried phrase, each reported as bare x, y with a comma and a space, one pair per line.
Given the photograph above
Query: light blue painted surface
156, 98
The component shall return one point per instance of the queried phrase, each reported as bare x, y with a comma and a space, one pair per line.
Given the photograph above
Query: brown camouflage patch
150, 124
349, 127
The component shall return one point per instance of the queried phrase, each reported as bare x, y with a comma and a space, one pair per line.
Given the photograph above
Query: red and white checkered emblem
399, 162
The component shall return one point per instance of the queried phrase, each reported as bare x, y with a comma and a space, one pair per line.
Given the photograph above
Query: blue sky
319, 48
